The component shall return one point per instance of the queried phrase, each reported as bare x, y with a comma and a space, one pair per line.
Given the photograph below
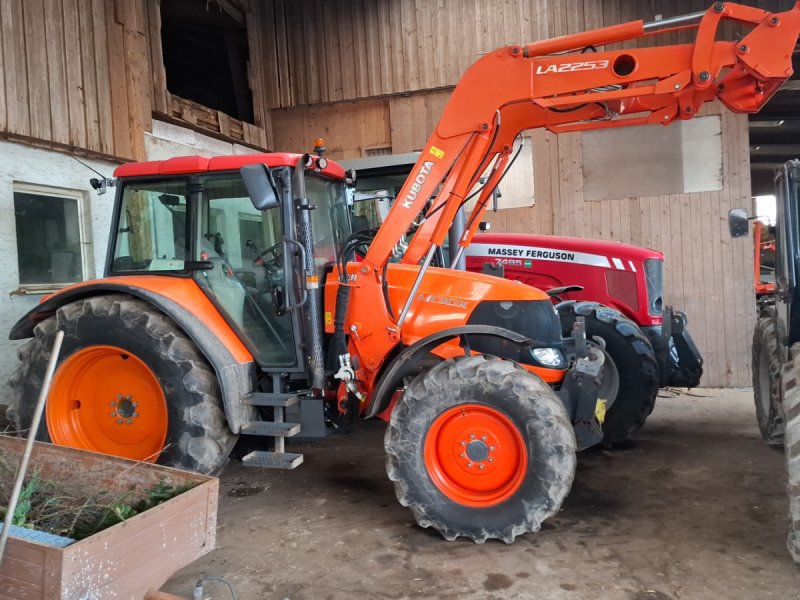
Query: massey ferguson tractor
232, 304
617, 289
776, 339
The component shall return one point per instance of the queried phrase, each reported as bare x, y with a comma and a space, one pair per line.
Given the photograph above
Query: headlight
548, 357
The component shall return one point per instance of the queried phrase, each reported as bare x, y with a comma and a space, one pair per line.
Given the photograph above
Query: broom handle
23, 465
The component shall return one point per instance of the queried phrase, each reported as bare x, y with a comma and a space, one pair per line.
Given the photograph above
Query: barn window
206, 54
50, 237
653, 160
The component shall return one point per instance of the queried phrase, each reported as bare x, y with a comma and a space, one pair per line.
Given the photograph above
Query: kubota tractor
617, 288
231, 298
776, 339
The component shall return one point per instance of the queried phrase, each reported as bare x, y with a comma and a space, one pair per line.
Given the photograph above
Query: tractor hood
450, 298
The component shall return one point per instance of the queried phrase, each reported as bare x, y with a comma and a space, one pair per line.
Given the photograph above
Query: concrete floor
694, 509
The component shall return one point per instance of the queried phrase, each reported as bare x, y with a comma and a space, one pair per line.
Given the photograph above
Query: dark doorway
206, 54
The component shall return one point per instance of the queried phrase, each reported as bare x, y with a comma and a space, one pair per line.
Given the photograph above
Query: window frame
84, 234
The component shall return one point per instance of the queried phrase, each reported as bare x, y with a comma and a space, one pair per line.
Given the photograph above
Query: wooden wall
88, 76
333, 50
74, 74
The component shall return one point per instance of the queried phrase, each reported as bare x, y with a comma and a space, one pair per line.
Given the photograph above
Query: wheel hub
478, 450
124, 409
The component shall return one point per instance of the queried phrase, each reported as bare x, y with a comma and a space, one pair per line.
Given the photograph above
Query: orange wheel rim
105, 399
475, 455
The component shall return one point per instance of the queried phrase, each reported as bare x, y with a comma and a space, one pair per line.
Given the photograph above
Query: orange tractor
233, 304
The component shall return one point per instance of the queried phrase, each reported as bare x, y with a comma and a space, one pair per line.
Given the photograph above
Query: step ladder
277, 429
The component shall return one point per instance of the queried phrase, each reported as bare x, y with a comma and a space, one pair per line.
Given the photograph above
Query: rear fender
232, 363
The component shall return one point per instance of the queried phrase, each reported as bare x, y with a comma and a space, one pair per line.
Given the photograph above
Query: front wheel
767, 378
630, 371
128, 383
480, 448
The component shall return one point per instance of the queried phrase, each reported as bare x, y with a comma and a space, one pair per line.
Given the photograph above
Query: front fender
411, 360
183, 302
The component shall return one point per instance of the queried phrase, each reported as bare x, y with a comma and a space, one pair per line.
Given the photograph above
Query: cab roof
201, 164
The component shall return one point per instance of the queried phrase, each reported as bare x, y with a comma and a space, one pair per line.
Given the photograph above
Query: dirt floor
695, 508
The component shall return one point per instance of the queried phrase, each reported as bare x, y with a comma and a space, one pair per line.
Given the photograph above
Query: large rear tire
791, 404
767, 378
480, 448
129, 382
630, 372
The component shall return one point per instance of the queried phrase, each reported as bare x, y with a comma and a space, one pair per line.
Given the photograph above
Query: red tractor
232, 298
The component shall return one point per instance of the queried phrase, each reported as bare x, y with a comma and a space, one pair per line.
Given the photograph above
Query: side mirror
260, 186
738, 222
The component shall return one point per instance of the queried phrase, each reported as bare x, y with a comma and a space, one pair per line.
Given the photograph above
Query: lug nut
491, 448
112, 403
120, 421
135, 414
134, 404
463, 443
491, 459
462, 455
481, 466
113, 413
129, 422
483, 437
119, 396
472, 436
469, 464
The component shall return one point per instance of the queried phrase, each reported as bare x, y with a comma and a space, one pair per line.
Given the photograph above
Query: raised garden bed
125, 560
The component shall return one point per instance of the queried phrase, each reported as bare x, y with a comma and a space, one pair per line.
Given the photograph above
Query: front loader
233, 304
617, 288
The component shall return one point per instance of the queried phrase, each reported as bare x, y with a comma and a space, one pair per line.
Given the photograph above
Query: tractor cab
202, 223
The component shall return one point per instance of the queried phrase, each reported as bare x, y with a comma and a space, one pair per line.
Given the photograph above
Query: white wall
23, 164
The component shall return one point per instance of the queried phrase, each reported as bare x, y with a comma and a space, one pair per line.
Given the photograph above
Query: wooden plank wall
333, 50
412, 54
74, 73
87, 75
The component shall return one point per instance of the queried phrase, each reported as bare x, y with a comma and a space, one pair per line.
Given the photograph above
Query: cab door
245, 247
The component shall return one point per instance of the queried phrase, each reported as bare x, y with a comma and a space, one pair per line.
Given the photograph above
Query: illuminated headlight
549, 357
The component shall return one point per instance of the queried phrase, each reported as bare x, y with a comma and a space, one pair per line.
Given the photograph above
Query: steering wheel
272, 258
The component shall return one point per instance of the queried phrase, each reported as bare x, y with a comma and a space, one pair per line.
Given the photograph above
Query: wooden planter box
123, 561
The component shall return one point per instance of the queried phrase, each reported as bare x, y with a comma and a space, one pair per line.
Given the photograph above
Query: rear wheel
767, 378
480, 448
630, 372
128, 383
791, 403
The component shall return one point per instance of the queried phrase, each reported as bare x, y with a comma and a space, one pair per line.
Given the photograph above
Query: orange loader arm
558, 85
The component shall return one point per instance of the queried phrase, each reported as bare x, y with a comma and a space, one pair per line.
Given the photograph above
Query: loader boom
515, 88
